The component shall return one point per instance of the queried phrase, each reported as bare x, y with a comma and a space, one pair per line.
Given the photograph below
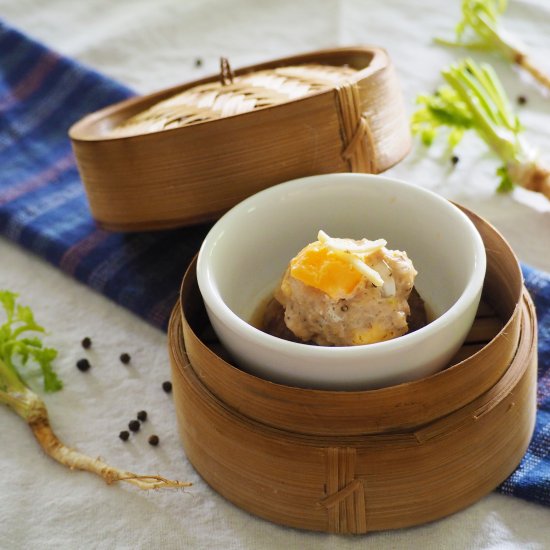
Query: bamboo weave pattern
232, 97
242, 94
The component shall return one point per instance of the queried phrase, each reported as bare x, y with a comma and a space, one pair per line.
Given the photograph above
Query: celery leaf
20, 351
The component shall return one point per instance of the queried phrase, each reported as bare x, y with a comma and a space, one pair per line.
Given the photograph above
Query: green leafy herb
473, 98
442, 109
17, 349
480, 28
20, 349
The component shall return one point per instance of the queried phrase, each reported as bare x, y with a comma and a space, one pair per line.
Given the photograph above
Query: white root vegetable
480, 28
15, 393
474, 99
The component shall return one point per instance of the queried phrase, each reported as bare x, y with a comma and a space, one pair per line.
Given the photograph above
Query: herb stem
15, 393
474, 98
481, 22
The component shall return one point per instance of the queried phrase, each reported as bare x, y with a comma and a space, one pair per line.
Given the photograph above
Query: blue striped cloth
531, 479
44, 209
42, 203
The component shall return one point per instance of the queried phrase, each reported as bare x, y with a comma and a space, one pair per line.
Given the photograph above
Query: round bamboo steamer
353, 462
195, 172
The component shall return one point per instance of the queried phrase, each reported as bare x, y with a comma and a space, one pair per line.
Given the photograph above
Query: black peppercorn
83, 365
522, 100
124, 435
142, 415
198, 62
134, 425
86, 343
455, 160
154, 440
167, 386
125, 358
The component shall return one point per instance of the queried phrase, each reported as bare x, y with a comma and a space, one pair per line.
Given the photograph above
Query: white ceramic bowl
248, 249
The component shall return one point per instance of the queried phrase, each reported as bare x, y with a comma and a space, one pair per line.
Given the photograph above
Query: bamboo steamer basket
340, 110
360, 461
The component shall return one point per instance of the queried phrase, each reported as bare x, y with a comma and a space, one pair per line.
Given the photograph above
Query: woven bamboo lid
232, 95
187, 154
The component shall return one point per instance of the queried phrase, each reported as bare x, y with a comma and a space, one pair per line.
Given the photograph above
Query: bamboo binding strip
358, 141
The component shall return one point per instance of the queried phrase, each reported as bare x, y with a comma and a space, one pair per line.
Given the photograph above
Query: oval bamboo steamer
353, 462
195, 172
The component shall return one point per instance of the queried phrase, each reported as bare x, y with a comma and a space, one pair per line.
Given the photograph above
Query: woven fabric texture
42, 202
43, 208
531, 480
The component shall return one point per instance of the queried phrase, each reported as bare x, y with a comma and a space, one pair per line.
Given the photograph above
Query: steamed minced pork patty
342, 292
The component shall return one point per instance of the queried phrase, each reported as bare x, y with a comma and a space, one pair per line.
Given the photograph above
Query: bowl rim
215, 303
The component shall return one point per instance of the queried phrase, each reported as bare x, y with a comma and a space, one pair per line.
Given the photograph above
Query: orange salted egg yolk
321, 268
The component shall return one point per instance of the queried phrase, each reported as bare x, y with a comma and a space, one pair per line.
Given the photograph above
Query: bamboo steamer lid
232, 95
187, 154
353, 462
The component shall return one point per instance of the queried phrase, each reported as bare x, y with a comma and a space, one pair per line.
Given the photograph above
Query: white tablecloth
150, 45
